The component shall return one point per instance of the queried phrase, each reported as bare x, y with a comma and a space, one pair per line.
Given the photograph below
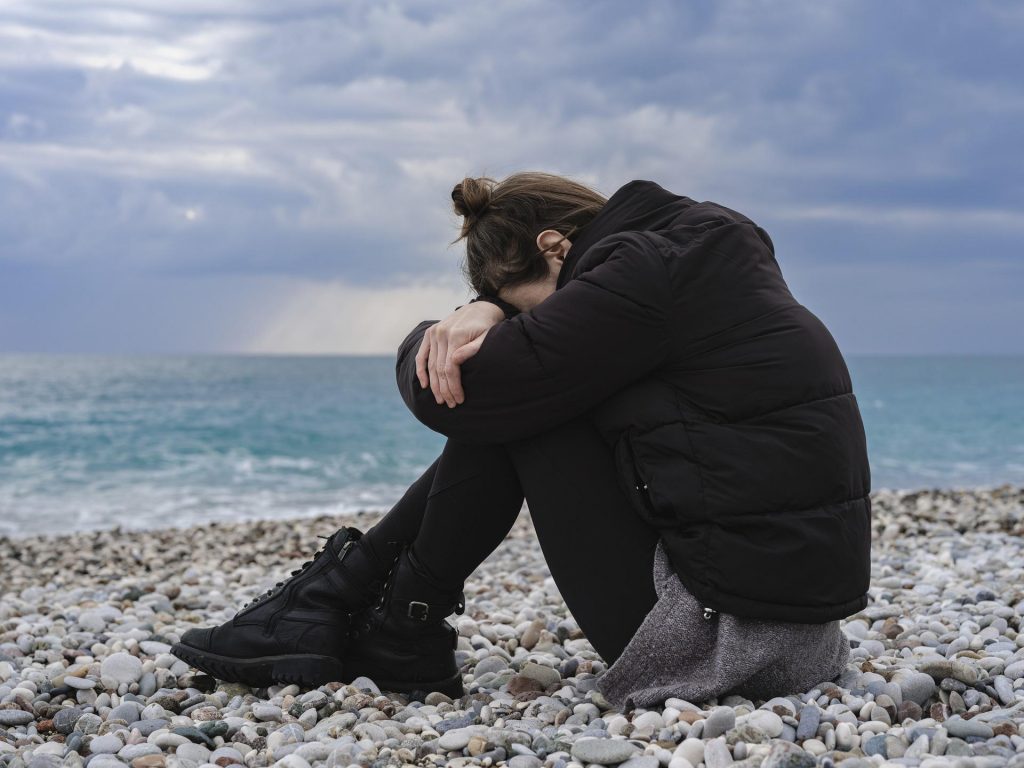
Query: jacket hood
636, 206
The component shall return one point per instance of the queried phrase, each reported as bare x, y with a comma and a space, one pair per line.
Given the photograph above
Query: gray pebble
455, 738
718, 722
784, 755
915, 686
455, 722
603, 751
108, 744
641, 761
190, 751
147, 684
122, 667
490, 664
810, 716
65, 719
961, 728
9, 717
146, 727
128, 711
79, 683
131, 751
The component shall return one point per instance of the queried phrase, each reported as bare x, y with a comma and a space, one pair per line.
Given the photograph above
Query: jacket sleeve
602, 330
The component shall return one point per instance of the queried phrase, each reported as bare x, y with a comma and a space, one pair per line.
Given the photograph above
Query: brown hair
503, 218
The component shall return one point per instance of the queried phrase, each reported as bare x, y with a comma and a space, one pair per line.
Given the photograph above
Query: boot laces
277, 587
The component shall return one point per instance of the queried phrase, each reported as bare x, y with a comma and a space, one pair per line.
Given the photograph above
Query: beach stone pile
935, 677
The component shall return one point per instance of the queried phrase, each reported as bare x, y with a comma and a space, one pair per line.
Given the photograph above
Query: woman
684, 433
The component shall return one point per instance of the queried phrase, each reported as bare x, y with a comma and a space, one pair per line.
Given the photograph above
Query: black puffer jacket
726, 402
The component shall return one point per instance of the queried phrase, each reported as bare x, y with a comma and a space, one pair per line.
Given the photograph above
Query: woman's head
515, 229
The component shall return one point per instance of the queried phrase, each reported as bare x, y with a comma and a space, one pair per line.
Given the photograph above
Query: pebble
603, 751
717, 754
915, 686
122, 667
129, 712
766, 721
10, 717
961, 728
456, 738
64, 719
490, 664
810, 716
195, 752
544, 675
80, 683
642, 761
89, 722
267, 712
132, 752
105, 745
718, 722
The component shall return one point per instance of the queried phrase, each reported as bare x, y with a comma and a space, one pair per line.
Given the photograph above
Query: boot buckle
420, 612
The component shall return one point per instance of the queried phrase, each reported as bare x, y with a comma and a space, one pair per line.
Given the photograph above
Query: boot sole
450, 686
304, 670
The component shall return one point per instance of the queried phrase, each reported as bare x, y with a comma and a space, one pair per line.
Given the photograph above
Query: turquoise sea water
88, 442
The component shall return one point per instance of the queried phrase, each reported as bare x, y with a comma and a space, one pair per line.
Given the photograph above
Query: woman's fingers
441, 352
443, 390
432, 367
422, 356
453, 374
466, 351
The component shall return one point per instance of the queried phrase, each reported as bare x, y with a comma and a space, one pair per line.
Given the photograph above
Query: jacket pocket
661, 475
643, 493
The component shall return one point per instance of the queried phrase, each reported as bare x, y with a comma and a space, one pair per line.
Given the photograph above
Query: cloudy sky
259, 176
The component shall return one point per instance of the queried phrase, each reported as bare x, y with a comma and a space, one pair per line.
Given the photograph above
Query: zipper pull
708, 612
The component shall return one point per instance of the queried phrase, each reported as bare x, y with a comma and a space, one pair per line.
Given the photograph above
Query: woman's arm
604, 329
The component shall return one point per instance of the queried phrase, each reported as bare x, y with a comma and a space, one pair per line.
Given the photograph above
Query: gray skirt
676, 653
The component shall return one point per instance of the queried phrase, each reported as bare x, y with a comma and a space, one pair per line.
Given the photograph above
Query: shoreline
886, 495
941, 643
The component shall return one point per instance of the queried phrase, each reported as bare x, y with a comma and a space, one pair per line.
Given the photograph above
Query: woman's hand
448, 344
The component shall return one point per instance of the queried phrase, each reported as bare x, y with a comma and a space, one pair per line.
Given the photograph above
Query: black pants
600, 554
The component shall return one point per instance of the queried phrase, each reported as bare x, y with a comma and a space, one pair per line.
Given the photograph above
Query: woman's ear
553, 244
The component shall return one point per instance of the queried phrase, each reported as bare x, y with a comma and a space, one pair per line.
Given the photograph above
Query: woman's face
526, 296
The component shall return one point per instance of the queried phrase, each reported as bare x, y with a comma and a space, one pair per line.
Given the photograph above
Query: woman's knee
461, 462
573, 433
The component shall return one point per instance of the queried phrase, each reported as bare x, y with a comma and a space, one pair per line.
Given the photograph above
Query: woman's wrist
510, 310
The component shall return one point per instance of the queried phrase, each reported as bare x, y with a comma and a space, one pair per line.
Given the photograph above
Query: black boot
403, 643
297, 631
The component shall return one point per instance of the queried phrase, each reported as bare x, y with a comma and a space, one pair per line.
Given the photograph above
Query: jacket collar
637, 205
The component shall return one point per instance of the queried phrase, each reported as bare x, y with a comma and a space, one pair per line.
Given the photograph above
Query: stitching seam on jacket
774, 411
703, 339
815, 508
533, 347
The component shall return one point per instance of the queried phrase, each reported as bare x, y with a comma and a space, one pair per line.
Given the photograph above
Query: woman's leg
601, 554
455, 514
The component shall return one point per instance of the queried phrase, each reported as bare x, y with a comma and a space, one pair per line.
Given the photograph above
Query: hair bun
472, 196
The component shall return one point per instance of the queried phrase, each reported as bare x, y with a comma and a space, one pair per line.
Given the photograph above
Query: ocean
138, 442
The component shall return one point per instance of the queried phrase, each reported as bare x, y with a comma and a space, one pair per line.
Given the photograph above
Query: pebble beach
935, 675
